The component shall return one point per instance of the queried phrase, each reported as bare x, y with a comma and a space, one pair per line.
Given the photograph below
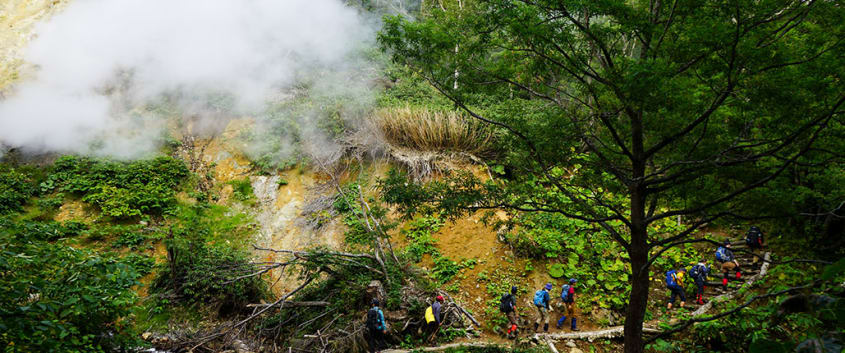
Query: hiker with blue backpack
376, 327
541, 301
728, 262
698, 273
675, 283
567, 294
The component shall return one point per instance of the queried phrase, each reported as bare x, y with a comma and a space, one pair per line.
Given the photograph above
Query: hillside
219, 177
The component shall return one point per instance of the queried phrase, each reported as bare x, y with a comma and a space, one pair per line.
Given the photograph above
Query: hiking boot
575, 329
546, 328
536, 326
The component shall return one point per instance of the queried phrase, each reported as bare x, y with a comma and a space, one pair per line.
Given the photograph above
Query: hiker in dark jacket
675, 283
567, 294
508, 306
432, 317
728, 262
699, 275
541, 301
376, 327
754, 240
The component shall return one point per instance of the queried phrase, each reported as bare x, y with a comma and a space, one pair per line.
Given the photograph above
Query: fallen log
461, 309
444, 347
727, 296
616, 331
288, 304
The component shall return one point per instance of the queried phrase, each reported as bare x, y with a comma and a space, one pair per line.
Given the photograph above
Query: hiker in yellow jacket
432, 318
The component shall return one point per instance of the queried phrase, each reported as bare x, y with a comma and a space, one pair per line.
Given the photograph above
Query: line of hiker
542, 300
727, 264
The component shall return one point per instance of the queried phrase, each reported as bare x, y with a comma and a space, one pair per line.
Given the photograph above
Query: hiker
675, 283
432, 317
728, 262
507, 305
541, 301
567, 294
376, 327
699, 275
754, 240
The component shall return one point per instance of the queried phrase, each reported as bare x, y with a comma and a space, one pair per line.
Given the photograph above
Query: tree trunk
638, 299
638, 247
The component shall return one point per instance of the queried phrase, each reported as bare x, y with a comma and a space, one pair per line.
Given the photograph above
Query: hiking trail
713, 290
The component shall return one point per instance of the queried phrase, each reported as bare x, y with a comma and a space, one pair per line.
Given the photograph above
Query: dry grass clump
424, 130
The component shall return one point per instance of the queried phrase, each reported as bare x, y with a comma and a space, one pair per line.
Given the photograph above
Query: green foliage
44, 231
420, 239
200, 273
15, 189
57, 298
120, 190
623, 114
132, 236
49, 205
242, 189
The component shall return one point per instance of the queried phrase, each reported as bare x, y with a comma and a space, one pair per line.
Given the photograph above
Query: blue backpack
564, 293
538, 298
720, 254
670, 278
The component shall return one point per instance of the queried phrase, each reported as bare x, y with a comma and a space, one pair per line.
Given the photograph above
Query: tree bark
638, 299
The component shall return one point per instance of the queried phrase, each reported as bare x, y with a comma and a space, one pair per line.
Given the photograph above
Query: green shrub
199, 273
15, 190
128, 236
120, 190
59, 299
420, 239
49, 205
242, 189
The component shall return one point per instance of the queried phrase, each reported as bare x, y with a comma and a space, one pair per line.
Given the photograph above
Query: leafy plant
15, 189
242, 189
120, 190
57, 298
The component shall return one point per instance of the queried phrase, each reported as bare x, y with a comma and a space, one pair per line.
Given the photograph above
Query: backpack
505, 303
538, 298
670, 279
695, 271
372, 319
564, 293
753, 236
429, 314
720, 254
698, 271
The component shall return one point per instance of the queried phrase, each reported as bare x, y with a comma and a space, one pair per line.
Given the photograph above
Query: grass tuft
432, 131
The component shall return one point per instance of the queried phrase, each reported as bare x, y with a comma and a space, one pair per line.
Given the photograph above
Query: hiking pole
431, 337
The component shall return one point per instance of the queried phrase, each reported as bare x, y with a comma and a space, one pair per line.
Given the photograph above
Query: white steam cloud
98, 61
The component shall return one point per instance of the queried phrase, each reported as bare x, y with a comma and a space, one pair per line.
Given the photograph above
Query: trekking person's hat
440, 298
513, 289
572, 280
548, 286
727, 242
375, 302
